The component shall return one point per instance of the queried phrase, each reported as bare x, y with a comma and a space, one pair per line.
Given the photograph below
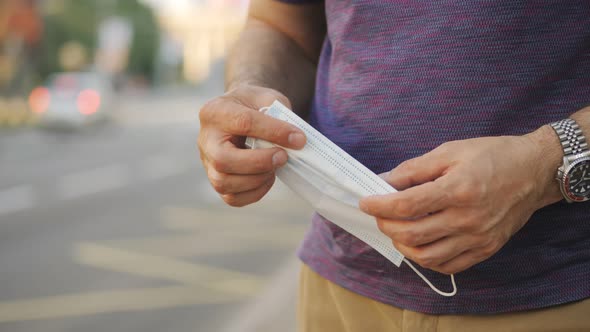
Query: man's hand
279, 48
244, 176
465, 199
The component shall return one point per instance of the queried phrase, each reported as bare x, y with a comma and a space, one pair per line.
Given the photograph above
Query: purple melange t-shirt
398, 78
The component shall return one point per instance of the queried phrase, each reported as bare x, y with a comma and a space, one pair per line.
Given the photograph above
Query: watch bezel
565, 178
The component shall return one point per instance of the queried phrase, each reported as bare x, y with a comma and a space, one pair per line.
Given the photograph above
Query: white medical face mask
333, 182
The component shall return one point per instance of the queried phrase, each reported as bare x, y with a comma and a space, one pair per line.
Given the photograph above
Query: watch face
577, 180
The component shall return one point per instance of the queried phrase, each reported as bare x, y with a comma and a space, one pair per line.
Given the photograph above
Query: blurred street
114, 227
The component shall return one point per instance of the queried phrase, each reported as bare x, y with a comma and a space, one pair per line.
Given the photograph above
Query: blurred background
107, 220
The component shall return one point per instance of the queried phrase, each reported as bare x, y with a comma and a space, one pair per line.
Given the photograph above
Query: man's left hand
461, 202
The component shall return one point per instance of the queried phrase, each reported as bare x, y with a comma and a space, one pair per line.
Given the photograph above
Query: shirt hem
439, 305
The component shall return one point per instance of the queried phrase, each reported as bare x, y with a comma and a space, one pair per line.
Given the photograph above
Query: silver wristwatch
574, 174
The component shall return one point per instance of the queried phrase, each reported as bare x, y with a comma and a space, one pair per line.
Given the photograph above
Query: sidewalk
275, 308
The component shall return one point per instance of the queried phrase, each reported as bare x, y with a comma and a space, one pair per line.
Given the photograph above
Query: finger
228, 159
418, 170
411, 203
418, 232
248, 197
434, 254
233, 184
384, 175
237, 119
485, 248
460, 263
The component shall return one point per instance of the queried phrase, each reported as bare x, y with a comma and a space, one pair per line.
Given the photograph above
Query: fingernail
279, 158
297, 140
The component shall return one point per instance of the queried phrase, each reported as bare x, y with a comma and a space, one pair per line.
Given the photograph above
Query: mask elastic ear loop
431, 285
264, 109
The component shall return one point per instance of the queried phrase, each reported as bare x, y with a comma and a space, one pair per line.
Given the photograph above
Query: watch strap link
570, 135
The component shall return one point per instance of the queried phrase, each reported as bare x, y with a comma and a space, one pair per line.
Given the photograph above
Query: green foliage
146, 37
79, 21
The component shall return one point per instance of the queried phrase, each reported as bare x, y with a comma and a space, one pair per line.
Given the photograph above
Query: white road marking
93, 181
183, 112
272, 202
16, 199
163, 166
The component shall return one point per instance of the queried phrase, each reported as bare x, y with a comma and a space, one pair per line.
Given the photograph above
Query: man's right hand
243, 176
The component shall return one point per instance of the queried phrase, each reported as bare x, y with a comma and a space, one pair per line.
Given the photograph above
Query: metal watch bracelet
570, 135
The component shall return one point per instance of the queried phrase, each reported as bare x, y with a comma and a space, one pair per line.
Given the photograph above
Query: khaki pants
326, 307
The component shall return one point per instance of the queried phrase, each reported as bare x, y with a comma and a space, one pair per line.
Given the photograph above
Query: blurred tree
146, 38
20, 31
78, 21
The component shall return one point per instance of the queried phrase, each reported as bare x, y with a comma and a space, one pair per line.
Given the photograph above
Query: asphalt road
115, 228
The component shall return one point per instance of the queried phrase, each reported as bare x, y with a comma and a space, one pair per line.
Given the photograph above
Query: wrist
548, 156
236, 84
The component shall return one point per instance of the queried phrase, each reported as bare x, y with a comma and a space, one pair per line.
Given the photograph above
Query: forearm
550, 155
264, 56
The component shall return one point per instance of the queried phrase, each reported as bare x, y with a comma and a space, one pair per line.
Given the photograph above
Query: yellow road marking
210, 232
92, 303
217, 241
194, 219
164, 268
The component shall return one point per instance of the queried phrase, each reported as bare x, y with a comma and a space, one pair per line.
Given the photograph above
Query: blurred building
199, 32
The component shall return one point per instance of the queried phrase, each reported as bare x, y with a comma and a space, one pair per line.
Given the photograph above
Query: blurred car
73, 99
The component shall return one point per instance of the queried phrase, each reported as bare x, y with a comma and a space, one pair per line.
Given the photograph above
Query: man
456, 97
